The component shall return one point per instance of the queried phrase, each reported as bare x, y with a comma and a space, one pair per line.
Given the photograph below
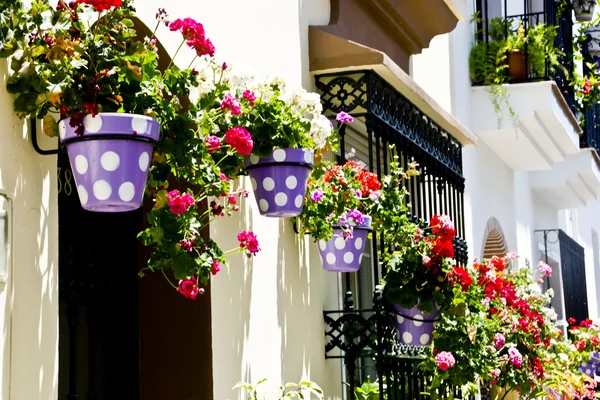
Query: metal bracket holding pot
35, 144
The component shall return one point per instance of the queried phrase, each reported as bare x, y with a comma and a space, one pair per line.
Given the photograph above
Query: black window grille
571, 257
365, 337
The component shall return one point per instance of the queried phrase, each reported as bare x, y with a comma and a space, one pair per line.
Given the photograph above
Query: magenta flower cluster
444, 360
231, 103
179, 203
194, 35
249, 242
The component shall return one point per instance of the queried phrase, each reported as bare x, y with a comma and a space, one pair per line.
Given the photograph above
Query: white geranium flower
320, 130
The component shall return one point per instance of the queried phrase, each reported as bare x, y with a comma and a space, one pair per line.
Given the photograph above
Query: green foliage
305, 390
488, 61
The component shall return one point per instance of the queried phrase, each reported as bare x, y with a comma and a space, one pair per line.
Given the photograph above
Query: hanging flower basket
414, 327
593, 41
592, 366
110, 159
584, 10
339, 255
279, 182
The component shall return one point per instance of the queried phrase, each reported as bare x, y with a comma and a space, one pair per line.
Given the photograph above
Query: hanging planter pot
339, 255
279, 182
593, 41
414, 327
110, 160
584, 10
517, 65
591, 367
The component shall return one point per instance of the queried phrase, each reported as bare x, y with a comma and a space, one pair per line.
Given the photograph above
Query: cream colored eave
329, 53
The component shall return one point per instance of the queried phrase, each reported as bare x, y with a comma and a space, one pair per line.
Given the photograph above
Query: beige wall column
29, 298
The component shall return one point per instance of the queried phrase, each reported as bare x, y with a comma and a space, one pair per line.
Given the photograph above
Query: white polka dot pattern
92, 124
81, 164
281, 199
268, 184
110, 161
144, 161
127, 191
279, 155
139, 124
291, 182
83, 194
102, 190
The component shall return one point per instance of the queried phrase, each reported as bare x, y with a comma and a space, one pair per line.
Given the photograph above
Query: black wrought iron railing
558, 247
528, 14
364, 336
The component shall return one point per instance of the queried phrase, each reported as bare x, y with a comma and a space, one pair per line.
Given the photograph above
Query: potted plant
288, 128
498, 330
101, 90
336, 213
584, 9
417, 282
288, 391
516, 54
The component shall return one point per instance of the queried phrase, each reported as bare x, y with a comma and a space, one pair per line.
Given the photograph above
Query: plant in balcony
337, 213
512, 56
498, 330
584, 9
587, 91
420, 274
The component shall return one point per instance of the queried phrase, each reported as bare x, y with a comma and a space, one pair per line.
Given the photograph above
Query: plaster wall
267, 316
29, 297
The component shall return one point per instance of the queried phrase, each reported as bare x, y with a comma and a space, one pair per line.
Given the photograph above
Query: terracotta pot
517, 65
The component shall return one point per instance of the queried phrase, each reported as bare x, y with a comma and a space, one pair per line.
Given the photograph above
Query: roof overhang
330, 54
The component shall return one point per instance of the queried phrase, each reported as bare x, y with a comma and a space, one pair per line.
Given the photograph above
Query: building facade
71, 329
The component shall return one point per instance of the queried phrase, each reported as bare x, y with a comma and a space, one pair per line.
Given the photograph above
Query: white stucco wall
267, 318
29, 298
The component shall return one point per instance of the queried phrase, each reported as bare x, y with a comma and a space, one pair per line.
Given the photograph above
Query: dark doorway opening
98, 295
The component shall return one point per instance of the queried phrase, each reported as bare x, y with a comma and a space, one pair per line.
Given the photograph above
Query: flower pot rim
437, 318
148, 132
292, 156
366, 225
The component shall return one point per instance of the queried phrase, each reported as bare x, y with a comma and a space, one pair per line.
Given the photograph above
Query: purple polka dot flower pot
414, 327
339, 255
592, 366
279, 182
110, 160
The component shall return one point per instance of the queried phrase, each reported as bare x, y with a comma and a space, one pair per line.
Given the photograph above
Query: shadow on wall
29, 302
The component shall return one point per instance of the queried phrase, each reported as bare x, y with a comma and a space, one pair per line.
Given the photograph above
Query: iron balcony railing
528, 14
364, 337
567, 257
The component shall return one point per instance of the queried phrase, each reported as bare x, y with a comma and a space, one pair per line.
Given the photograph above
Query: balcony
523, 104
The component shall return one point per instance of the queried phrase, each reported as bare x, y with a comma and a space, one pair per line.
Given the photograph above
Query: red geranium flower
101, 5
